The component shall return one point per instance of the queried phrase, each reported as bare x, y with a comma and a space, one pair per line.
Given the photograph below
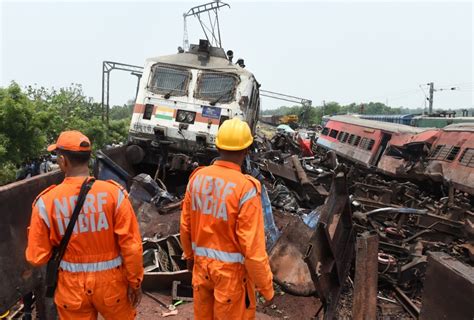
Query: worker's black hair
77, 158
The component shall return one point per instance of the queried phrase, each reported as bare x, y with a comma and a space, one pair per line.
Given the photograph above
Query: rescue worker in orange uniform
102, 267
222, 232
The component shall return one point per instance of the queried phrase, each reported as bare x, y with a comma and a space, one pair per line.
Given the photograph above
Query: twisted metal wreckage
314, 207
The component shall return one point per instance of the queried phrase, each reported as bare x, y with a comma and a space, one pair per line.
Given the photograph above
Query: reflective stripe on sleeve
231, 257
42, 211
120, 198
91, 266
247, 196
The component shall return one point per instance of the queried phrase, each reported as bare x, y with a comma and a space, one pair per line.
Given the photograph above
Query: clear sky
334, 51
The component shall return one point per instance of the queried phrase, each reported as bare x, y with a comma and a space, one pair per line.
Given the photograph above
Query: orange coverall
222, 230
104, 254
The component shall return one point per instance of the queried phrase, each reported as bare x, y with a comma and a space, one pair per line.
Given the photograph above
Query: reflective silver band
247, 196
231, 257
42, 211
120, 198
91, 266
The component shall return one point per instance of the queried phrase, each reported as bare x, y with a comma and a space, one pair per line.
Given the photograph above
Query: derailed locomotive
443, 155
183, 99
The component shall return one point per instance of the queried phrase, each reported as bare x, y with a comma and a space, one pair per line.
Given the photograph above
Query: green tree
31, 119
21, 134
121, 112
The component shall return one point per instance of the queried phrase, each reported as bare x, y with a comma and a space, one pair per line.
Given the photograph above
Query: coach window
351, 139
436, 151
333, 133
370, 144
339, 136
325, 131
453, 153
356, 141
344, 137
443, 153
363, 143
467, 157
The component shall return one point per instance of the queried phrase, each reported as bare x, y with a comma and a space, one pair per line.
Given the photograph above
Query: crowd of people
31, 168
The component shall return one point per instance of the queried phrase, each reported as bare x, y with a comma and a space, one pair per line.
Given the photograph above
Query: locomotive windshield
169, 80
216, 86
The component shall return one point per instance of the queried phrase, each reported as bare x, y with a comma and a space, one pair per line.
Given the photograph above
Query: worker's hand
135, 296
190, 264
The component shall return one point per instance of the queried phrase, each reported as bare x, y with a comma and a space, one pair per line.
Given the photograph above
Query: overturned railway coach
445, 155
183, 99
452, 155
362, 141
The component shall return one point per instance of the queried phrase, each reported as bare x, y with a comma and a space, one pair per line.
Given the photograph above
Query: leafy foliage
31, 119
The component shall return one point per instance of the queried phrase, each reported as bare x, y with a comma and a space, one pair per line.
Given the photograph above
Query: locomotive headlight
190, 117
181, 116
185, 116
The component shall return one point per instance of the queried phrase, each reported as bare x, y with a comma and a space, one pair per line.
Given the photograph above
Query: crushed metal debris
314, 209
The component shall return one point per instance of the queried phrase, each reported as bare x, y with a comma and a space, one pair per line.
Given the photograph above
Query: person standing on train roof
222, 232
101, 270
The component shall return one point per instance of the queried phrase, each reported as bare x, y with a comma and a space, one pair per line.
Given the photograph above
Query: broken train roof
386, 126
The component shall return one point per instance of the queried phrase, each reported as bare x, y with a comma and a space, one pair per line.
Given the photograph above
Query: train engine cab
183, 99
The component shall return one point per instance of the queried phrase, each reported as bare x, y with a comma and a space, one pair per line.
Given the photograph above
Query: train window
356, 142
342, 136
333, 133
367, 144
216, 87
443, 153
345, 137
169, 80
325, 131
436, 151
453, 153
339, 136
351, 139
370, 144
467, 157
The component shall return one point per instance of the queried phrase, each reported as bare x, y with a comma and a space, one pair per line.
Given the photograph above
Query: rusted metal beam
364, 305
406, 302
448, 289
315, 194
331, 247
285, 171
17, 277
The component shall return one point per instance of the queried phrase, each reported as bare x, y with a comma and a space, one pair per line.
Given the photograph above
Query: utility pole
430, 99
432, 91
324, 107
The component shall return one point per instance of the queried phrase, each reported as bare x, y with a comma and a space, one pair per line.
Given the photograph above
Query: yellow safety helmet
234, 135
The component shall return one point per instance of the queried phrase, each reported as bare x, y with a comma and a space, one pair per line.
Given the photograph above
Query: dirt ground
151, 309
285, 306
291, 307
